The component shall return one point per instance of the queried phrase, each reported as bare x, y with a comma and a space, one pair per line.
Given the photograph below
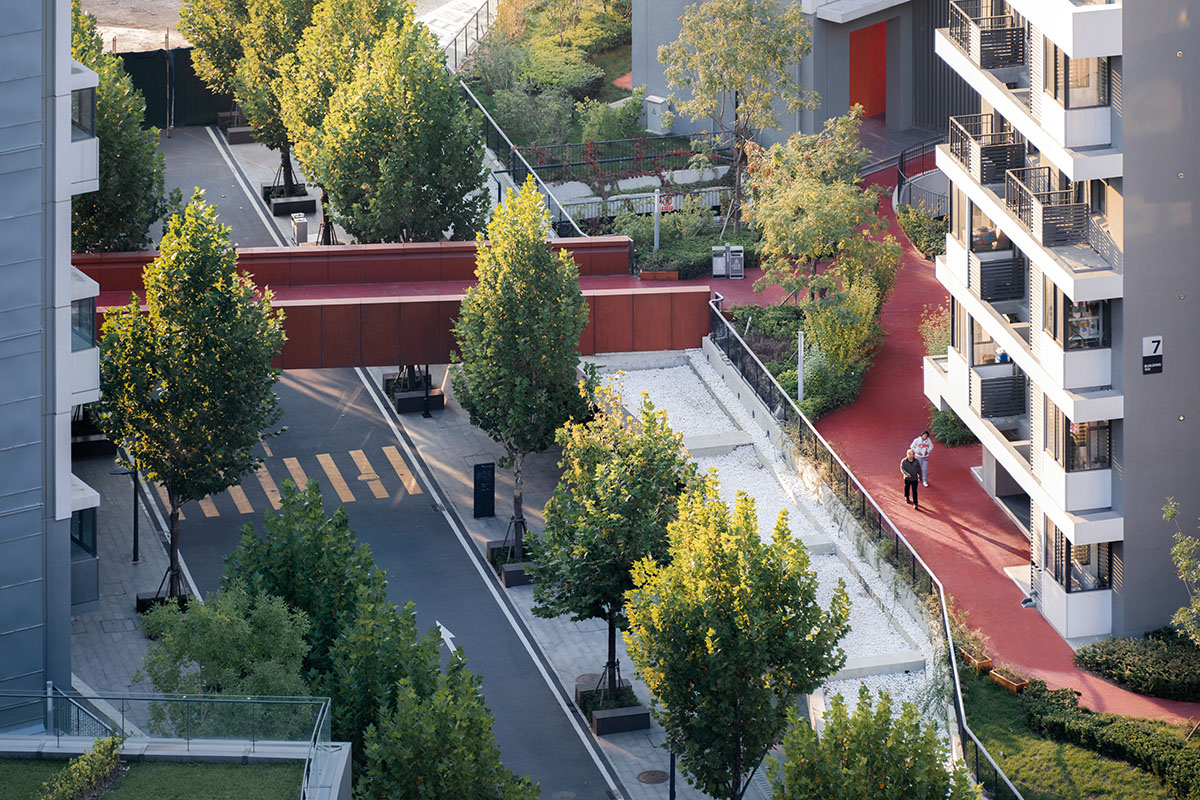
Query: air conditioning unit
657, 108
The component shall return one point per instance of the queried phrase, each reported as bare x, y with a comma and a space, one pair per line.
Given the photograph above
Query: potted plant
1009, 678
972, 643
606, 715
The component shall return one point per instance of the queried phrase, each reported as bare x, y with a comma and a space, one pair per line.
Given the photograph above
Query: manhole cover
589, 677
652, 776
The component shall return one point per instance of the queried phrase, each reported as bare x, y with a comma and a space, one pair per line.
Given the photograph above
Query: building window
83, 534
1076, 446
1075, 326
958, 214
83, 323
985, 235
1074, 82
83, 114
1077, 568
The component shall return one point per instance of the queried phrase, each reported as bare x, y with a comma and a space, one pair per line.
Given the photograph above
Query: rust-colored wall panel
303, 327
614, 323
587, 341
422, 262
419, 332
689, 318
341, 335
269, 266
447, 315
458, 261
346, 267
309, 268
652, 321
380, 334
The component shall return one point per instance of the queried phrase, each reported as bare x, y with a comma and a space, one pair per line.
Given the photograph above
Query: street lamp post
133, 474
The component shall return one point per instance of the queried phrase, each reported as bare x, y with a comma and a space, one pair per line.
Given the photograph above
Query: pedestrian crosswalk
353, 476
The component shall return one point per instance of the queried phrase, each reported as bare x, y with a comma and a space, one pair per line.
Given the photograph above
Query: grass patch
594, 700
1042, 769
151, 780
615, 63
22, 778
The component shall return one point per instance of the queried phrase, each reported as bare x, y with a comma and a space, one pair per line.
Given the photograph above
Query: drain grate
652, 776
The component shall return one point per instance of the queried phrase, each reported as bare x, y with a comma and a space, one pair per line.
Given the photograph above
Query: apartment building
877, 53
1072, 262
49, 361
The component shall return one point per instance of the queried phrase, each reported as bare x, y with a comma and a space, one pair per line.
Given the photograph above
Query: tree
622, 477
868, 754
727, 636
1185, 554
118, 216
437, 745
237, 48
733, 64
518, 334
312, 560
398, 151
187, 387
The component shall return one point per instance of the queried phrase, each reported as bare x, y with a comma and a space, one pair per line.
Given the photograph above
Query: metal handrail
470, 43
540, 183
730, 333
915, 154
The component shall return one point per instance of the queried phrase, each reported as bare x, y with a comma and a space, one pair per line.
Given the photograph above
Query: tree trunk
285, 166
175, 585
612, 656
518, 509
737, 186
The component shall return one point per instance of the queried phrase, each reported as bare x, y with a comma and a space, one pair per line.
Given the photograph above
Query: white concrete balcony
1075, 369
85, 376
1075, 614
947, 385
1078, 268
1078, 143
80, 159
1083, 29
1078, 490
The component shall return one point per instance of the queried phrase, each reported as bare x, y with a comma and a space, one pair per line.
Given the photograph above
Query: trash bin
299, 228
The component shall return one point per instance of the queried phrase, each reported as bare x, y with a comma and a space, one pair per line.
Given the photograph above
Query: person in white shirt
922, 446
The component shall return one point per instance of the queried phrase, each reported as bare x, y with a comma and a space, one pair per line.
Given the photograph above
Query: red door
868, 69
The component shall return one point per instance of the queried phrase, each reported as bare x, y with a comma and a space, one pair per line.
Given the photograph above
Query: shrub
498, 63
926, 232
949, 429
777, 322
533, 118
1153, 746
1163, 663
602, 122
844, 325
598, 31
828, 386
935, 329
564, 70
86, 773
638, 227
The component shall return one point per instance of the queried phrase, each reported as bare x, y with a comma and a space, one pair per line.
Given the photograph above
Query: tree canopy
187, 388
118, 216
621, 480
518, 335
867, 754
727, 635
733, 64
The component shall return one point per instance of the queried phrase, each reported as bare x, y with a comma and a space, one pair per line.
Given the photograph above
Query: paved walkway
960, 531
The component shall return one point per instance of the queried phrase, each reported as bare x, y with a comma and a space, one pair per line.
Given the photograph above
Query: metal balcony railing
988, 32
998, 395
997, 278
986, 146
1050, 213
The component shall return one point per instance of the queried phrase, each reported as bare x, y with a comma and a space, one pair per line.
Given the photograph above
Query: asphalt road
337, 435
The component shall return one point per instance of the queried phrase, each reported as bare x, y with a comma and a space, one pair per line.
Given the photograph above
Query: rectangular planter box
408, 402
239, 134
620, 720
659, 276
148, 600
978, 663
284, 206
591, 687
514, 574
1016, 687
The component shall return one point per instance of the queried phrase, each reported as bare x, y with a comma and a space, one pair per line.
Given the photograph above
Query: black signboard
1152, 355
485, 490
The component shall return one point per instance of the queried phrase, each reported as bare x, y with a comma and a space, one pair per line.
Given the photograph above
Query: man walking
922, 446
910, 470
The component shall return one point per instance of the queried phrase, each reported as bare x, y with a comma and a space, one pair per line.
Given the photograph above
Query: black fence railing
892, 546
470, 35
620, 158
912, 164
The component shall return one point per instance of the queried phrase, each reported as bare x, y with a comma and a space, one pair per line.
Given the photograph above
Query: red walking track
959, 531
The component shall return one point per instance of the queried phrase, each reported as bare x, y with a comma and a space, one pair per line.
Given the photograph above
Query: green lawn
615, 63
22, 778
1043, 769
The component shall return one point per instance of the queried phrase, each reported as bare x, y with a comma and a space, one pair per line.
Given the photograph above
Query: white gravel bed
741, 469
690, 409
871, 633
911, 688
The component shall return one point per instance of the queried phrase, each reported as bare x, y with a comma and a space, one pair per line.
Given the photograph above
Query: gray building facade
1071, 265
48, 355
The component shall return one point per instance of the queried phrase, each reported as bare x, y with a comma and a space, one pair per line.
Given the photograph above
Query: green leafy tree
187, 386
846, 327
437, 745
1186, 556
399, 152
867, 754
518, 335
604, 122
727, 635
214, 29
620, 486
733, 64
311, 560
118, 216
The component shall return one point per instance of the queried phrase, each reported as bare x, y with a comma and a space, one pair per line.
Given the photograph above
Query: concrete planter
148, 600
408, 402
620, 720
659, 275
515, 574
284, 206
588, 684
239, 134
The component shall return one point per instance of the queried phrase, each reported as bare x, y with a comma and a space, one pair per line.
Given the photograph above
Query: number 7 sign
1152, 355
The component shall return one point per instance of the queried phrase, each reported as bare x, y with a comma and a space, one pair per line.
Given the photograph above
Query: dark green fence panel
156, 75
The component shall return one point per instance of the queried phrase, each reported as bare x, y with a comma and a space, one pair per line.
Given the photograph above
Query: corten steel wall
364, 263
418, 330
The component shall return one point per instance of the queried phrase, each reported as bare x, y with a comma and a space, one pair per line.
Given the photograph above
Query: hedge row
691, 257
1163, 663
1152, 746
85, 773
